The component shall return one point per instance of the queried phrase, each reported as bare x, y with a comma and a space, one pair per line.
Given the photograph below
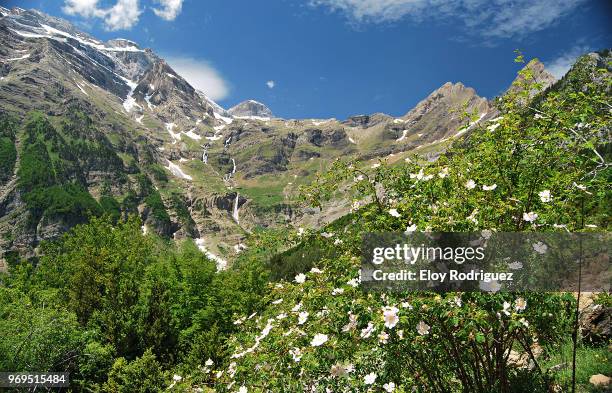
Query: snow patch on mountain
191, 134
226, 120
176, 136
177, 171
221, 263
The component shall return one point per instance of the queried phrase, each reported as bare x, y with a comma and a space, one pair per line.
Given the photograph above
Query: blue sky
336, 58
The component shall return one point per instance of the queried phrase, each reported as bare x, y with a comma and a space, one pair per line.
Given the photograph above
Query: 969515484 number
33, 379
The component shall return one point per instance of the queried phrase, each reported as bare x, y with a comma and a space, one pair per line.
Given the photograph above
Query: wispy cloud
170, 9
124, 14
271, 84
562, 63
201, 75
490, 18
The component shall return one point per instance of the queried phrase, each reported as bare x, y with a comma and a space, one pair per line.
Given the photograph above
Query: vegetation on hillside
109, 304
128, 312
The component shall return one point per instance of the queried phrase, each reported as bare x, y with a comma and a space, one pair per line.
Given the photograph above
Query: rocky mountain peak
251, 108
450, 89
540, 72
438, 116
540, 75
448, 95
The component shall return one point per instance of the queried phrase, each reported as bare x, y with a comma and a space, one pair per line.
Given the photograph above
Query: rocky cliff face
129, 135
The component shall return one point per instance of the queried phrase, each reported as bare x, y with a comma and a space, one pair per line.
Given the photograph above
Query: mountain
537, 73
440, 112
93, 128
251, 108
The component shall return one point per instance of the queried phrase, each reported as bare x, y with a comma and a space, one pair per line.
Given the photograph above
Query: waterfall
205, 156
234, 169
235, 212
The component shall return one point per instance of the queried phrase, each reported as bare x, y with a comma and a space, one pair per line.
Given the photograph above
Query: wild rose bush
326, 334
541, 164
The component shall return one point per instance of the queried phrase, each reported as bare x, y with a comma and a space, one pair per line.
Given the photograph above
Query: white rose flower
406, 305
300, 278
530, 217
411, 228
423, 328
489, 188
367, 331
545, 196
389, 387
318, 340
394, 213
390, 317
369, 379
470, 184
302, 317
506, 308
383, 337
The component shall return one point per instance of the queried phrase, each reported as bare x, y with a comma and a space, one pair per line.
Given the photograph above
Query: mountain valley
93, 127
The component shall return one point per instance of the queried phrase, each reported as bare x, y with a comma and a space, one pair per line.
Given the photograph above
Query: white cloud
201, 75
85, 8
271, 84
123, 15
560, 65
499, 18
170, 9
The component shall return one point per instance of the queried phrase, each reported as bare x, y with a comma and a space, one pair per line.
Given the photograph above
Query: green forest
123, 311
